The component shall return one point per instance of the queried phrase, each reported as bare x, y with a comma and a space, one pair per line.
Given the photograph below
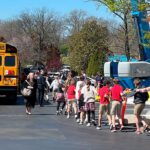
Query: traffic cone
124, 105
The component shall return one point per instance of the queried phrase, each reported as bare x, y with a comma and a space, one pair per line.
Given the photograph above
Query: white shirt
79, 83
89, 96
55, 84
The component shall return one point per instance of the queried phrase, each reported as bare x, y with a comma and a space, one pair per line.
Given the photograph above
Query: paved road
45, 131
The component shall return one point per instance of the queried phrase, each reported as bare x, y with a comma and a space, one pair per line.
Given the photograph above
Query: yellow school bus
9, 71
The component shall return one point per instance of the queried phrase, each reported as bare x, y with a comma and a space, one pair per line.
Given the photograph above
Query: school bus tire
12, 98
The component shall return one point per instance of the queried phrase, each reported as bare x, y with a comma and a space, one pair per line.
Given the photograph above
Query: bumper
6, 90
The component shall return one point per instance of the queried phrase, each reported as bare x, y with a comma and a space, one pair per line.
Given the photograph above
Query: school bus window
10, 61
0, 60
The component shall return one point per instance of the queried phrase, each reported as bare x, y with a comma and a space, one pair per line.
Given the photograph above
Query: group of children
78, 97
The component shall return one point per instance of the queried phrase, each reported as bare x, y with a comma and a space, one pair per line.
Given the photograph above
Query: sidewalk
129, 117
129, 111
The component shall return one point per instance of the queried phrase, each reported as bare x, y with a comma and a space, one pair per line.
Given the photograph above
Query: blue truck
127, 71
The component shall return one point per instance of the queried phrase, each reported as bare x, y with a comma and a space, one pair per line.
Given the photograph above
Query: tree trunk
127, 48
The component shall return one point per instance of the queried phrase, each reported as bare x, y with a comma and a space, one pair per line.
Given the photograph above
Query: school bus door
10, 70
1, 70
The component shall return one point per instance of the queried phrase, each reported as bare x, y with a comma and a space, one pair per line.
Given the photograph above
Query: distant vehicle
53, 74
64, 70
66, 67
9, 71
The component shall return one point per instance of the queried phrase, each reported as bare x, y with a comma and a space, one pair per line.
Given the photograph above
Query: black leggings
58, 105
89, 115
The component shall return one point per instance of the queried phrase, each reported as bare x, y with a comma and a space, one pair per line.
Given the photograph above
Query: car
54, 74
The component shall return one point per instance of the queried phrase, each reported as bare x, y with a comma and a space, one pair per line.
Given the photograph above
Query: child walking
60, 99
104, 93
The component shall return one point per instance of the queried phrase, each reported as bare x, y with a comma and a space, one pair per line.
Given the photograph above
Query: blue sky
12, 8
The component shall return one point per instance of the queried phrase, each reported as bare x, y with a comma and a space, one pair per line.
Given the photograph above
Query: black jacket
41, 82
140, 97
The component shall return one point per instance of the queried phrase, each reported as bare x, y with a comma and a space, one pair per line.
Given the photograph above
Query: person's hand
138, 90
29, 87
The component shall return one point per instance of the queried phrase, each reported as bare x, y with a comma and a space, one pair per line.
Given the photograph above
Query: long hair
88, 83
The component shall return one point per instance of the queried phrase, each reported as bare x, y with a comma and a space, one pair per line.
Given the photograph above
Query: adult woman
30, 100
139, 104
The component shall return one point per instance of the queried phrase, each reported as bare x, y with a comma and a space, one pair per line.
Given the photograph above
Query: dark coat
30, 100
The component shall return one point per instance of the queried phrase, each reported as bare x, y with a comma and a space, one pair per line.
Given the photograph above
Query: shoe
113, 130
98, 127
85, 121
29, 113
111, 127
65, 112
76, 116
68, 116
138, 132
57, 112
61, 111
78, 120
94, 122
80, 123
121, 127
88, 125
146, 128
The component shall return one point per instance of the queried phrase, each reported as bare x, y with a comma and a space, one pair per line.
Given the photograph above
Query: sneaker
85, 121
98, 127
29, 113
57, 112
121, 127
88, 125
111, 127
146, 128
78, 120
61, 111
113, 130
65, 112
68, 116
80, 123
76, 116
94, 122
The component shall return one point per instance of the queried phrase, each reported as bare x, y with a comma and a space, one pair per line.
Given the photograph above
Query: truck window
10, 61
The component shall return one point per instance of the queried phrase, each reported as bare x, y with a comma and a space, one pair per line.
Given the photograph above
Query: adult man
41, 83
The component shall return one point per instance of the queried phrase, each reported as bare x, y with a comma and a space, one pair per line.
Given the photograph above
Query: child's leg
108, 113
81, 116
58, 105
113, 113
93, 115
75, 107
63, 105
89, 116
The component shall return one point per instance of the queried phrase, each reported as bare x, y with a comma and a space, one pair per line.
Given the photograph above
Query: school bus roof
9, 48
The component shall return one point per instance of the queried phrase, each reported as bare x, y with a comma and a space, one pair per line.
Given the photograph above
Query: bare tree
75, 20
43, 29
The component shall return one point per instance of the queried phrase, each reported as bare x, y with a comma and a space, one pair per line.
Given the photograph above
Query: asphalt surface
43, 130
